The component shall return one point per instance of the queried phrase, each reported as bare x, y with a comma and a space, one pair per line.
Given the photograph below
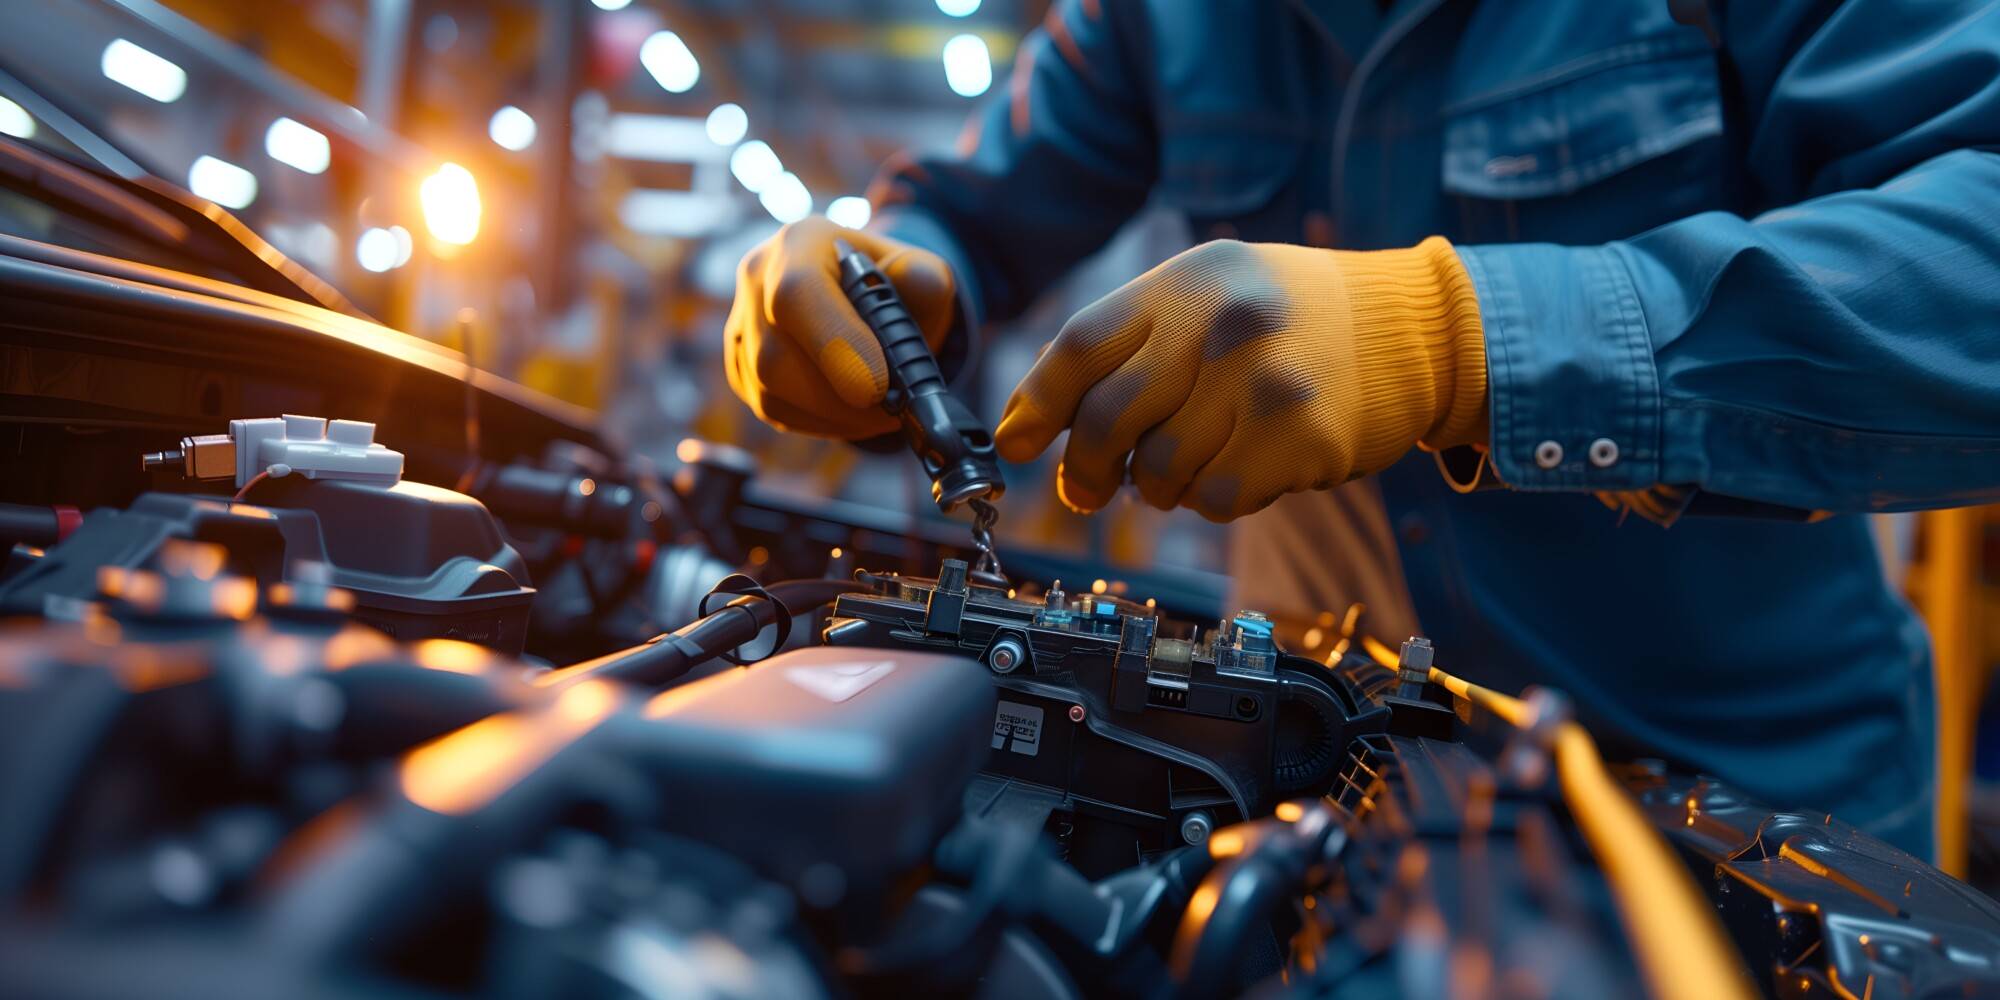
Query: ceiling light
786, 198
612, 4
450, 199
851, 211
968, 68
512, 128
727, 124
958, 8
143, 71
669, 60
15, 120
376, 250
755, 165
298, 145
222, 182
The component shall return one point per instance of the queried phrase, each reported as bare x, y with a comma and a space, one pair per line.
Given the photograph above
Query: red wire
254, 480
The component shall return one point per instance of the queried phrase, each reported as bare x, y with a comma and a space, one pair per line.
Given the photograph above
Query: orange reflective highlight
463, 771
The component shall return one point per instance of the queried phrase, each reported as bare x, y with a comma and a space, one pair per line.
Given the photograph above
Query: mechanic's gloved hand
1238, 372
794, 348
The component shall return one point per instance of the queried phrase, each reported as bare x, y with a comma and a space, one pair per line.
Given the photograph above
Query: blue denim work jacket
1749, 248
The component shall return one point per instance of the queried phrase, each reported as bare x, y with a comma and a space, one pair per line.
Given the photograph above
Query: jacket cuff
1575, 397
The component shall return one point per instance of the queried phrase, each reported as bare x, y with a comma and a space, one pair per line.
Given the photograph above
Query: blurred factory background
562, 188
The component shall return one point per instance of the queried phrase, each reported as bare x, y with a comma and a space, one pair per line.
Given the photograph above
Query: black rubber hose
1250, 890
22, 524
666, 657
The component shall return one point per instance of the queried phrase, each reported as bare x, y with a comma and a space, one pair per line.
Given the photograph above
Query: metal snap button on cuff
1548, 454
1603, 453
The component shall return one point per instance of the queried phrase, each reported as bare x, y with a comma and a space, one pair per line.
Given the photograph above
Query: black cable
715, 634
37, 526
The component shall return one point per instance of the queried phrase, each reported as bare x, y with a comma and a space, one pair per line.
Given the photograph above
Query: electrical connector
313, 447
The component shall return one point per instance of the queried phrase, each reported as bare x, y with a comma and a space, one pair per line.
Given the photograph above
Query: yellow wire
1678, 941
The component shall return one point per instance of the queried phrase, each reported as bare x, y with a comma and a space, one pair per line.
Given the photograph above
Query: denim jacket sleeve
1046, 171
1840, 353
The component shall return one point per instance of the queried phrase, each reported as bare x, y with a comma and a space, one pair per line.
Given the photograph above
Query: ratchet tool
955, 448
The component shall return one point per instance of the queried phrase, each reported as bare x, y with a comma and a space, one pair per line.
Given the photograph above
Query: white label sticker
1018, 728
839, 681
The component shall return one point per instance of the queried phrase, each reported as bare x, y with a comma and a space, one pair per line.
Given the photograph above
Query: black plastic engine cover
1817, 906
832, 770
421, 561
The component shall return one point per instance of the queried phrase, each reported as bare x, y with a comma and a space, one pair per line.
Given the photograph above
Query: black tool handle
955, 449
912, 367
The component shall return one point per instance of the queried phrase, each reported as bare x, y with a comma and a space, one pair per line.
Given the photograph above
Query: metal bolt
1195, 827
1076, 713
1415, 666
1005, 655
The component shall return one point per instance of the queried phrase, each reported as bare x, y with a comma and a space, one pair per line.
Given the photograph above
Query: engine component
1816, 905
1126, 728
875, 746
279, 446
420, 561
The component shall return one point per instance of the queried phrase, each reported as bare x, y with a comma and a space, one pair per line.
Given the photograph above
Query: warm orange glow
452, 655
1314, 637
102, 629
282, 655
586, 486
1225, 844
1471, 970
759, 555
1290, 812
666, 702
463, 771
1410, 867
235, 597
1201, 905
1098, 586
142, 669
197, 560
689, 450
835, 554
1379, 652
356, 644
246, 510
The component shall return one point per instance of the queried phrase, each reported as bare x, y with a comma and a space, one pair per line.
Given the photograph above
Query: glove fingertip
1022, 435
1078, 499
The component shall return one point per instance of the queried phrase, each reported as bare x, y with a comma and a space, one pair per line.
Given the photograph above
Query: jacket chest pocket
1592, 158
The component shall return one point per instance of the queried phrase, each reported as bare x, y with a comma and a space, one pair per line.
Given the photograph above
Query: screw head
1076, 713
1005, 656
1195, 828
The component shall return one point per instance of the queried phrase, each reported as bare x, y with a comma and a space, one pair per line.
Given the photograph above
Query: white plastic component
313, 447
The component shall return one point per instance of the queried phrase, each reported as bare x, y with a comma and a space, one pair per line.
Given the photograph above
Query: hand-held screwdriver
955, 448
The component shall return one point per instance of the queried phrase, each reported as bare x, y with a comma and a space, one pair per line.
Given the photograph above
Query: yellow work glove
1238, 372
795, 350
